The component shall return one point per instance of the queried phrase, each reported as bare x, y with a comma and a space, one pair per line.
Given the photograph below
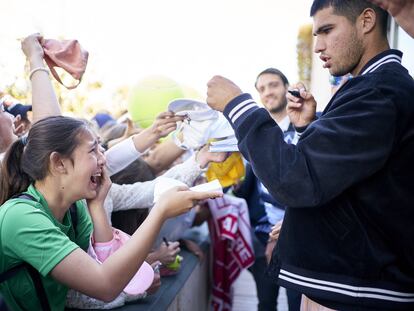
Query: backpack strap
37, 282
11, 272
40, 289
74, 216
34, 274
23, 196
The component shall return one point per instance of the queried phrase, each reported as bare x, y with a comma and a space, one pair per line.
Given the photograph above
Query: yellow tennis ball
176, 264
150, 97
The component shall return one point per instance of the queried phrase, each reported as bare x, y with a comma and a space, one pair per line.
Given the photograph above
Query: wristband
33, 71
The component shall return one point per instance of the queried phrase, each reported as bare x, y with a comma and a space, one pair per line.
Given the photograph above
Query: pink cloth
68, 55
144, 277
232, 246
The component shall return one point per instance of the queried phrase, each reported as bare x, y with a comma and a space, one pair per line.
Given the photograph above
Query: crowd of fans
328, 194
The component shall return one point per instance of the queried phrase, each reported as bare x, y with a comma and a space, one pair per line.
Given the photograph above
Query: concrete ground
245, 297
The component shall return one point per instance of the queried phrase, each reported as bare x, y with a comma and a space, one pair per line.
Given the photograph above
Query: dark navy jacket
347, 240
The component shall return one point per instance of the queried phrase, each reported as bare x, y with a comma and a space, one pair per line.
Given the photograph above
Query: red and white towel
232, 246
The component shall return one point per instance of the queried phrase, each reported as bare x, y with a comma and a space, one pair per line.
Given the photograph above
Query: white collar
390, 56
284, 123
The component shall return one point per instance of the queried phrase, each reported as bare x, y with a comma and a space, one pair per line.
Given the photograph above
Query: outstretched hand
179, 200
165, 123
204, 157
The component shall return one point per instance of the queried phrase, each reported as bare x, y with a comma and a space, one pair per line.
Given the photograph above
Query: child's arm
105, 281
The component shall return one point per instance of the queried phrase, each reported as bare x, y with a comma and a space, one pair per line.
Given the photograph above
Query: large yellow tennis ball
151, 96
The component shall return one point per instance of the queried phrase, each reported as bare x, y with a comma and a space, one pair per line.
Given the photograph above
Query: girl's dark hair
27, 159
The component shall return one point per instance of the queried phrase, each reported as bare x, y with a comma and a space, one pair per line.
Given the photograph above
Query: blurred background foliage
91, 97
304, 49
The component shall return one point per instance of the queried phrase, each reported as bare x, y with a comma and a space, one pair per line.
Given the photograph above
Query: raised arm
106, 281
141, 194
164, 124
334, 152
44, 101
124, 153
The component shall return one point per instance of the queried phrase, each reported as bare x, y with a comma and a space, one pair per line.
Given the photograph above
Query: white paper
213, 185
163, 184
225, 145
224, 148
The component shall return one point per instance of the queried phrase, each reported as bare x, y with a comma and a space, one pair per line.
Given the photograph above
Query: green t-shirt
29, 233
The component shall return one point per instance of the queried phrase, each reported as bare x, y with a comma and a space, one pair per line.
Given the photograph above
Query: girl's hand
32, 47
104, 185
179, 200
204, 157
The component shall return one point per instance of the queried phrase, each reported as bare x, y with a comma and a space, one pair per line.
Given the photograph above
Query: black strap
11, 272
23, 196
40, 289
37, 282
74, 216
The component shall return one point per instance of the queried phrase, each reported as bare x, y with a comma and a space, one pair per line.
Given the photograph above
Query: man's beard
353, 52
279, 108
